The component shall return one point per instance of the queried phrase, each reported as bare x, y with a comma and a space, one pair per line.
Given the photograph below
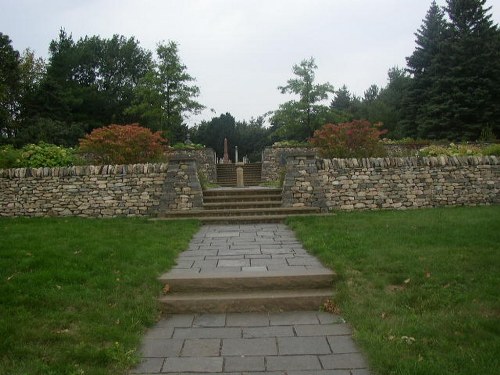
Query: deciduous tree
167, 95
298, 119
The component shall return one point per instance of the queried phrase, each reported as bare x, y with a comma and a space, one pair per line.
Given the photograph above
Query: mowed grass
421, 288
77, 294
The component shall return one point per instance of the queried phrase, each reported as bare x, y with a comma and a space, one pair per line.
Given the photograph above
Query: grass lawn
76, 294
421, 288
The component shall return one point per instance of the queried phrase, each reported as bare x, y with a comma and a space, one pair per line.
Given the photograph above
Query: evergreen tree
455, 93
472, 53
10, 88
422, 65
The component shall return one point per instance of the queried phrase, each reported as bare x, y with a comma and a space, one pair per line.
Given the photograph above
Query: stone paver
245, 248
291, 343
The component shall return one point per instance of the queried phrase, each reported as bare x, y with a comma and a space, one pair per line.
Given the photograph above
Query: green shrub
188, 146
292, 143
356, 139
46, 155
492, 150
451, 150
9, 157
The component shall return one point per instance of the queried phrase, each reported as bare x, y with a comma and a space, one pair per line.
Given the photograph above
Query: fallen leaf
166, 289
331, 307
407, 281
383, 315
427, 274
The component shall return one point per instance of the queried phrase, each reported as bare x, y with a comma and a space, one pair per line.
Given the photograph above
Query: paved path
245, 248
286, 343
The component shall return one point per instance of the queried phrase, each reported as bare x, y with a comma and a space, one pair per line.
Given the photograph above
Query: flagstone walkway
275, 343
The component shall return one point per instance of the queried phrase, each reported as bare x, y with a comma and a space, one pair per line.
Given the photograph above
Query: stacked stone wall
391, 183
99, 191
205, 159
274, 160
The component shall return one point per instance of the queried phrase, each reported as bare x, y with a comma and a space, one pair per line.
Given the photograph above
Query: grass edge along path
419, 287
76, 294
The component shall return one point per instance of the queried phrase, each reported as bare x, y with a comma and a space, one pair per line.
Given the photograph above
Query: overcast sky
240, 51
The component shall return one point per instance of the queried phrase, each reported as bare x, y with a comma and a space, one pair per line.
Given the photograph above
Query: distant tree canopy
90, 83
250, 137
450, 89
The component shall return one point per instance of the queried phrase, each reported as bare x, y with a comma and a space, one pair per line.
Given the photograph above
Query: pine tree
422, 64
472, 82
455, 92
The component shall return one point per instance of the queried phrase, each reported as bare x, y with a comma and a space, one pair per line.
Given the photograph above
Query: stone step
248, 281
242, 212
243, 219
241, 205
241, 191
256, 301
242, 198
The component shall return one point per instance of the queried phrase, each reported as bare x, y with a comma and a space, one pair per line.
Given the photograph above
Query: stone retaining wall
99, 191
205, 159
391, 183
274, 160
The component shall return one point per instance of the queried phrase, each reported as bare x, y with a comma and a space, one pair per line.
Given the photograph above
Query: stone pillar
239, 177
181, 189
236, 154
226, 155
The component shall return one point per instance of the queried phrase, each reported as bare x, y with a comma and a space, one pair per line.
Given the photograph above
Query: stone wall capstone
391, 183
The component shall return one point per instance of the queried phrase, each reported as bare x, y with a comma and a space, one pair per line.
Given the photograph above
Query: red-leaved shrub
356, 139
122, 144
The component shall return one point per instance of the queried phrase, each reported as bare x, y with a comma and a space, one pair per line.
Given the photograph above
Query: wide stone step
241, 191
242, 212
248, 281
241, 205
242, 198
257, 301
243, 219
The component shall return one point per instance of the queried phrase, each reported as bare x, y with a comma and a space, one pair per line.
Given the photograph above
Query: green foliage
456, 73
406, 141
165, 95
290, 143
250, 137
87, 83
10, 82
451, 150
123, 144
9, 157
188, 146
492, 150
77, 295
46, 155
356, 139
298, 119
46, 130
430, 274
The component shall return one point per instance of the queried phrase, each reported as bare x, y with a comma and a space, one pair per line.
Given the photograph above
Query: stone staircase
226, 174
246, 292
241, 205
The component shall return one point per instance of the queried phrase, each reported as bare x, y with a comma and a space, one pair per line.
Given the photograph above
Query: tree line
450, 89
90, 83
